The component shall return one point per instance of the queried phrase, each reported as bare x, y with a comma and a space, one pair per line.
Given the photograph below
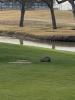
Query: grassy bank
36, 81
38, 23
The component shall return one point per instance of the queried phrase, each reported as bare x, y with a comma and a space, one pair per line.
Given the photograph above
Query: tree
23, 5
73, 6
50, 5
72, 2
22, 13
26, 2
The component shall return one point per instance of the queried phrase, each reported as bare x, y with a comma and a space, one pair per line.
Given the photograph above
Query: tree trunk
73, 6
53, 18
22, 15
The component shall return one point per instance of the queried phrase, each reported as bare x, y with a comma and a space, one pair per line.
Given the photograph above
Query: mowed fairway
36, 81
38, 22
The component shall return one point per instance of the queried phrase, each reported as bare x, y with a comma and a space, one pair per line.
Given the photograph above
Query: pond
65, 46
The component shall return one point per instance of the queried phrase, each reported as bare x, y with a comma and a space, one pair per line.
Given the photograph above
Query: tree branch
59, 2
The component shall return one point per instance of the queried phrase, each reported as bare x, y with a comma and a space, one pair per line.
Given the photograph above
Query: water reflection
66, 46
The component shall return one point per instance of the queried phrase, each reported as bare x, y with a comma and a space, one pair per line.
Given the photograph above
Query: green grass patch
36, 81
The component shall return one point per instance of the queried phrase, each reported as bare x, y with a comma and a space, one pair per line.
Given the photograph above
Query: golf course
35, 80
37, 51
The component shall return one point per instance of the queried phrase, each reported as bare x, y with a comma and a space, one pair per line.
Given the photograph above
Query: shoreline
63, 46
37, 38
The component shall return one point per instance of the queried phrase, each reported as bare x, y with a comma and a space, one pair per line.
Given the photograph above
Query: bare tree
72, 2
73, 6
48, 2
23, 3
22, 13
50, 5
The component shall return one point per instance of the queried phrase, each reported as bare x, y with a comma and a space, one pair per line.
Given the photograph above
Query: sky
64, 6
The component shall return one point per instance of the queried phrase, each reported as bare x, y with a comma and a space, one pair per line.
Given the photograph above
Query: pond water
57, 45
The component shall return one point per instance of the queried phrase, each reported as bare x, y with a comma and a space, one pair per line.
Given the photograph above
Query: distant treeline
17, 5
